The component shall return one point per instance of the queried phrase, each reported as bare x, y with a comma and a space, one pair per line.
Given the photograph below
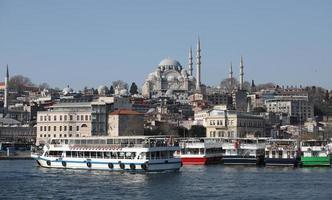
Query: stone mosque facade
170, 79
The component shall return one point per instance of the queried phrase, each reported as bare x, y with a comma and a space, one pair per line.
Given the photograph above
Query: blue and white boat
281, 152
243, 151
136, 154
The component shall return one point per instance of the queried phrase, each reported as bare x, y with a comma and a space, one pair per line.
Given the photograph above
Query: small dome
67, 90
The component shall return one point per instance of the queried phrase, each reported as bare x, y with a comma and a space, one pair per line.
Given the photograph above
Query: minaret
5, 104
230, 74
198, 65
241, 73
190, 62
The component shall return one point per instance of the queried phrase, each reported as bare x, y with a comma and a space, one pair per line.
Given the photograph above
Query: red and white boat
199, 151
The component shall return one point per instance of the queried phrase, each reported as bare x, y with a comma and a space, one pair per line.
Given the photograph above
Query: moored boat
243, 151
200, 151
315, 153
281, 152
137, 154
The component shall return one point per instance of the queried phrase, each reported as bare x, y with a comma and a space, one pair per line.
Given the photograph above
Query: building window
41, 128
54, 135
49, 128
90, 117
70, 135
44, 128
49, 118
77, 135
54, 117
82, 117
41, 135
70, 128
65, 117
54, 128
60, 135
60, 117
64, 128
49, 135
44, 135
86, 117
78, 117
77, 128
65, 135
41, 118
45, 119
70, 117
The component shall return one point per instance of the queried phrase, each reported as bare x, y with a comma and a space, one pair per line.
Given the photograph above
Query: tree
120, 84
133, 88
111, 90
19, 83
228, 85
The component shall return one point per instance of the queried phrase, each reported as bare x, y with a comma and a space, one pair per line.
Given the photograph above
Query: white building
64, 120
297, 107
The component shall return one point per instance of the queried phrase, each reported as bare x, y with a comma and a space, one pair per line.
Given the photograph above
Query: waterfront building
100, 110
125, 122
64, 120
298, 108
230, 123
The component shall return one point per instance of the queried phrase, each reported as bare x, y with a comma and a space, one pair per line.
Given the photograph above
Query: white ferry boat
281, 152
200, 151
243, 151
111, 153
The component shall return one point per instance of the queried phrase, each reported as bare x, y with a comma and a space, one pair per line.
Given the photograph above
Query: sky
91, 43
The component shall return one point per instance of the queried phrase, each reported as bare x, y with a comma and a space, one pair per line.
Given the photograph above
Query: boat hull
133, 166
281, 161
315, 161
200, 160
240, 160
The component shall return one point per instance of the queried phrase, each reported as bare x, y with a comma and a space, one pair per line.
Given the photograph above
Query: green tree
133, 88
111, 90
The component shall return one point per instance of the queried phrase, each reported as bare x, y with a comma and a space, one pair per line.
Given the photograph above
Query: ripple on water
24, 180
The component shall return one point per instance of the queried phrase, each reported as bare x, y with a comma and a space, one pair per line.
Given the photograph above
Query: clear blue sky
91, 43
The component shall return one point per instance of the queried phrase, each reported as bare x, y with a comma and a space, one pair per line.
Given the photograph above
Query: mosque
170, 79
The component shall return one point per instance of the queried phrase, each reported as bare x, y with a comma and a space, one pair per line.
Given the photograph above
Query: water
22, 179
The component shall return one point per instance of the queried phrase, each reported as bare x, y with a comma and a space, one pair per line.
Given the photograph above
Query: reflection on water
24, 180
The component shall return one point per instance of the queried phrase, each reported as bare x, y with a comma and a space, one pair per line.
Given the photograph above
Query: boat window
83, 141
201, 151
99, 154
114, 155
121, 155
102, 141
68, 153
86, 154
77, 141
74, 154
80, 154
93, 154
273, 154
280, 154
89, 141
107, 155
164, 154
109, 141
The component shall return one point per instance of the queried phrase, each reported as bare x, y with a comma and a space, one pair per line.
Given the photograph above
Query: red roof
125, 112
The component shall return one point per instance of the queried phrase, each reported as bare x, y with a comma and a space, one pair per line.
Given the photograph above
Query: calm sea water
23, 179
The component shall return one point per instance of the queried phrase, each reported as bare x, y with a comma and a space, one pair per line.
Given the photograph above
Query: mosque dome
170, 62
67, 90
